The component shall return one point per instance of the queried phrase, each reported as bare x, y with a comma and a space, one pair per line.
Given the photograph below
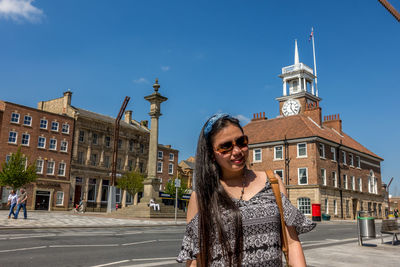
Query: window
95, 138
353, 183
119, 163
12, 137
43, 124
302, 150
141, 167
104, 190
344, 157
161, 185
159, 166
60, 198
333, 151
80, 157
130, 165
27, 120
345, 181
61, 169
39, 166
303, 176
170, 168
128, 198
334, 179
160, 155
107, 161
53, 144
321, 150
335, 206
81, 136
64, 146
108, 141
304, 205
8, 157
360, 184
65, 128
141, 148
25, 139
280, 173
326, 206
351, 160
171, 157
93, 159
323, 176
358, 162
119, 144
257, 155
50, 168
131, 145
15, 117
54, 126
118, 195
278, 152
347, 208
92, 190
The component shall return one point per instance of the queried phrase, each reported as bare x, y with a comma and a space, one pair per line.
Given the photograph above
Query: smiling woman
233, 218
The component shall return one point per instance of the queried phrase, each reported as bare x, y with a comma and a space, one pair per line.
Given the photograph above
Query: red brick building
167, 164
46, 139
317, 160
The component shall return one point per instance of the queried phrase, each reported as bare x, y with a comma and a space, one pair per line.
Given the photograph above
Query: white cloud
243, 119
165, 68
19, 10
141, 80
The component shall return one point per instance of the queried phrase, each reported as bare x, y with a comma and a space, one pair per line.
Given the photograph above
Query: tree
14, 173
170, 189
131, 182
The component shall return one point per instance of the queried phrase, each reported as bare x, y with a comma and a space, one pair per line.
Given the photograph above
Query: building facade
187, 169
46, 140
167, 163
318, 162
93, 149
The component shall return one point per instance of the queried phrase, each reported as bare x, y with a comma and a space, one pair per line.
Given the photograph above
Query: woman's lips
238, 161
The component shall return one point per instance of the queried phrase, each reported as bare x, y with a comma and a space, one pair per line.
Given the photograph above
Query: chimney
128, 116
66, 100
333, 121
313, 111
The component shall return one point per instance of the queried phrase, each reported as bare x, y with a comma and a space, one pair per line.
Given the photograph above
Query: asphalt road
136, 246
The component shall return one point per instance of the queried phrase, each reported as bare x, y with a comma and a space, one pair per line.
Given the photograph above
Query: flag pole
315, 64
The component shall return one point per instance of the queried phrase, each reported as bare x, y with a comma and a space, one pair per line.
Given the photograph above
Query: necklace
243, 185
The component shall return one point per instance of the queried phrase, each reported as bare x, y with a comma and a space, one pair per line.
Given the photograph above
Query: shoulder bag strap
275, 188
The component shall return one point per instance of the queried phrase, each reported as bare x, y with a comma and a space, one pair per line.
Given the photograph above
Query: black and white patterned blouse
261, 231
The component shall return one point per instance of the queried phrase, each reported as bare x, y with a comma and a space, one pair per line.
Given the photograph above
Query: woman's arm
191, 212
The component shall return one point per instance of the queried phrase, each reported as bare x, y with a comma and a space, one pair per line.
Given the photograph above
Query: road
136, 246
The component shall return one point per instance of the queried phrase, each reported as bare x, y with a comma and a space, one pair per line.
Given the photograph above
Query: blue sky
209, 56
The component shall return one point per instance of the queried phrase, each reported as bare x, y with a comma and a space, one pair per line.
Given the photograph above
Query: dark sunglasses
227, 147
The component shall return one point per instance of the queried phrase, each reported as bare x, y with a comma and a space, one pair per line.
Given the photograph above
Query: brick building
167, 163
317, 160
92, 152
46, 140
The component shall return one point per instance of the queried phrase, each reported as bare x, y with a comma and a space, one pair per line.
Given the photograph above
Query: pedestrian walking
21, 203
12, 201
233, 215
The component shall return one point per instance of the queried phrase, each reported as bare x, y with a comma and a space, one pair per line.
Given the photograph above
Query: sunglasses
227, 147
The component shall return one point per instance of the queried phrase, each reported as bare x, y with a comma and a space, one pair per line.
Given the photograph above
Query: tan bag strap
275, 188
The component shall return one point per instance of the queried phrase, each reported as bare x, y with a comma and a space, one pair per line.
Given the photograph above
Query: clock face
291, 107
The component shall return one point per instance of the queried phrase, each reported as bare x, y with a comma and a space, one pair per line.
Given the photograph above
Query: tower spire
296, 53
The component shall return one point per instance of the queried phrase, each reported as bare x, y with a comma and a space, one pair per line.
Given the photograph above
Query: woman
233, 219
12, 199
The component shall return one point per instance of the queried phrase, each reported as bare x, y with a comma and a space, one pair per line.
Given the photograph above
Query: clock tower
298, 88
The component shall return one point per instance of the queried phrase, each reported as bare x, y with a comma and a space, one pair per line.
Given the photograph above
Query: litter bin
326, 217
366, 226
316, 212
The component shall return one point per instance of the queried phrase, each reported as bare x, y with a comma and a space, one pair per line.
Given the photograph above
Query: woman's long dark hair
213, 200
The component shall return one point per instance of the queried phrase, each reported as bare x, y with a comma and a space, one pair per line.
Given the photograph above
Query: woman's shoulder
192, 208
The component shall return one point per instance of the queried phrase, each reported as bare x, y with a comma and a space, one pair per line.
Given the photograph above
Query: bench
390, 227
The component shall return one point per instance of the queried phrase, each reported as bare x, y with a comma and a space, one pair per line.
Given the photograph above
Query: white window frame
326, 206
333, 151
360, 184
28, 139
321, 149
335, 180
275, 153
304, 205
64, 146
44, 142
65, 126
13, 137
358, 160
256, 152
351, 160
15, 117
43, 122
161, 185
55, 123
280, 170
26, 119
48, 167
170, 168
54, 143
344, 160
323, 176
60, 193
160, 155
345, 181
63, 168
353, 183
298, 176
335, 206
39, 165
159, 166
171, 156
298, 150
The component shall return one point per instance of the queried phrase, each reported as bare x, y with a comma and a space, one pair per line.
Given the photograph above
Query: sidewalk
69, 219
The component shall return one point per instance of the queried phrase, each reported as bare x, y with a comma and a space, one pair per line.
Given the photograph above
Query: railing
299, 66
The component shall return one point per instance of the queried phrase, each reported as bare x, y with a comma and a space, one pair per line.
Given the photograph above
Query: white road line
79, 246
21, 249
111, 263
32, 236
168, 240
160, 263
154, 259
141, 242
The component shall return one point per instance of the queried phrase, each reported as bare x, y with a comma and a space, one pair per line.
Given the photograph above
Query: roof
189, 164
295, 127
109, 119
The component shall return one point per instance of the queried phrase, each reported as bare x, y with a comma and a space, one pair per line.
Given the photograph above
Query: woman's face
234, 160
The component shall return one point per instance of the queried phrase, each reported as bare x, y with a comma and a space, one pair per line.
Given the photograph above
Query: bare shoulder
192, 209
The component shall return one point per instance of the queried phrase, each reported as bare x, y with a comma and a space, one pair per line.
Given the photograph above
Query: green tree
170, 188
13, 173
131, 182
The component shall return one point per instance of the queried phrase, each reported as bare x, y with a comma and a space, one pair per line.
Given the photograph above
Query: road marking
168, 240
141, 242
111, 263
79, 246
154, 259
31, 236
160, 263
21, 249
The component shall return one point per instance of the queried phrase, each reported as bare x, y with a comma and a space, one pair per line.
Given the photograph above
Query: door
42, 200
78, 192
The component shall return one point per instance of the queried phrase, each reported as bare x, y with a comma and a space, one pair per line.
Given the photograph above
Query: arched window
304, 205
